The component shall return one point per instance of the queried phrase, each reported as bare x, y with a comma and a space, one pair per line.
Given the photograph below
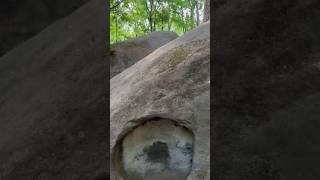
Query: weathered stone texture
173, 82
265, 100
52, 103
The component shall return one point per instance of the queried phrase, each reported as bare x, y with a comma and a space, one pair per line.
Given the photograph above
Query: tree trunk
155, 22
151, 24
116, 28
197, 12
162, 22
184, 22
192, 7
206, 14
169, 24
150, 13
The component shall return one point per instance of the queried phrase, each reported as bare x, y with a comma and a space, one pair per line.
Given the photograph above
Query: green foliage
131, 18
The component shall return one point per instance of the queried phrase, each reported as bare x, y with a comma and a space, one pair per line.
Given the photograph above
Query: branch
116, 5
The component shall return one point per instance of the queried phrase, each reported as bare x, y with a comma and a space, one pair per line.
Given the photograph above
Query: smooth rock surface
126, 53
173, 82
266, 98
22, 19
52, 103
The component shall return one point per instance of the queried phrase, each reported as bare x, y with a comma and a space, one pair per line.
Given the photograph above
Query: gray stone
125, 54
266, 96
23, 19
52, 103
173, 82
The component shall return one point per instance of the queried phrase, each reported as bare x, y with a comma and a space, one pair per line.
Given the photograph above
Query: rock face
266, 96
22, 19
125, 54
52, 104
170, 84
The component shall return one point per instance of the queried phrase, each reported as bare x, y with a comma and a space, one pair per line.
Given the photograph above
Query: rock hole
158, 149
157, 153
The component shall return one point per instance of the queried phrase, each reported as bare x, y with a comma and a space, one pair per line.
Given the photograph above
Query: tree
131, 18
197, 12
206, 14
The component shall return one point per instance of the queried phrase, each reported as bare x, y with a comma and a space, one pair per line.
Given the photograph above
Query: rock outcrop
52, 106
22, 19
125, 54
265, 101
170, 84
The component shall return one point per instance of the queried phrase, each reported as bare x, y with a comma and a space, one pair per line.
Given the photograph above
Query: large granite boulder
160, 113
22, 19
266, 95
125, 54
52, 106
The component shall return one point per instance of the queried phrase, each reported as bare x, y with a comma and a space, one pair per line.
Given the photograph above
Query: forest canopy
132, 18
